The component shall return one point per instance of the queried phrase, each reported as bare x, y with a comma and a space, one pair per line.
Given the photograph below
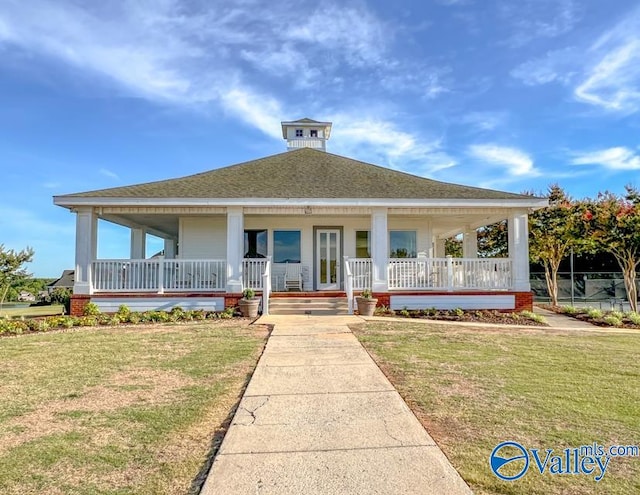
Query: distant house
345, 224
26, 296
65, 281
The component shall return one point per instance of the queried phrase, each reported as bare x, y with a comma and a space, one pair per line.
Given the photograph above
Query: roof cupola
306, 133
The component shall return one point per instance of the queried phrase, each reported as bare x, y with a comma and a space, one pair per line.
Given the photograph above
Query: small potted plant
366, 303
249, 304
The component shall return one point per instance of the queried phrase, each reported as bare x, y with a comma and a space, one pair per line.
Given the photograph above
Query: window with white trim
403, 244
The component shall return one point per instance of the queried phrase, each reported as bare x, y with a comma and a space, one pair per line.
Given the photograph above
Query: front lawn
32, 311
119, 410
475, 387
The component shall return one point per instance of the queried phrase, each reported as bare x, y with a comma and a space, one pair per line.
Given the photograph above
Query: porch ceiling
449, 225
165, 226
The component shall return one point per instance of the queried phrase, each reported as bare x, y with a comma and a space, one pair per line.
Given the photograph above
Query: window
286, 246
313, 133
362, 244
255, 243
402, 244
299, 133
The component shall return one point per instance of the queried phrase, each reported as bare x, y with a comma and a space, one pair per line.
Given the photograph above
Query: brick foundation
524, 301
384, 299
78, 303
231, 300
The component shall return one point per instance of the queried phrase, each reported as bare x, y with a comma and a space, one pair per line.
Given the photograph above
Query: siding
498, 301
203, 237
111, 305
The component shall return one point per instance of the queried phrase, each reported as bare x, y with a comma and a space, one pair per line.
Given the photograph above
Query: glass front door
328, 259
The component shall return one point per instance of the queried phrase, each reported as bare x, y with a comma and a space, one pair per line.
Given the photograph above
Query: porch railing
158, 275
450, 273
348, 283
306, 143
252, 271
266, 284
361, 271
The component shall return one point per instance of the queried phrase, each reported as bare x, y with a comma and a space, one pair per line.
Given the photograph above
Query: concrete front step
308, 305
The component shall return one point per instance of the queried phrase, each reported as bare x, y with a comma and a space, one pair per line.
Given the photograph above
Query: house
26, 296
340, 224
66, 281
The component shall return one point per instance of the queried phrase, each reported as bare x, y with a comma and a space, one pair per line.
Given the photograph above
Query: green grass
118, 410
474, 388
32, 311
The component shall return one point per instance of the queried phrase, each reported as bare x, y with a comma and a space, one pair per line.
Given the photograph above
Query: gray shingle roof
303, 173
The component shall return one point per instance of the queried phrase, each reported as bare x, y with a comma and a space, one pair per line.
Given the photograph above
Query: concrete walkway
563, 322
319, 417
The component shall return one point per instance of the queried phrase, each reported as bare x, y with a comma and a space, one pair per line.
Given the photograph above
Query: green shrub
227, 313
404, 312
133, 318
569, 310
91, 309
633, 317
198, 314
38, 324
616, 314
87, 321
595, 313
123, 312
12, 327
459, 312
533, 316
612, 320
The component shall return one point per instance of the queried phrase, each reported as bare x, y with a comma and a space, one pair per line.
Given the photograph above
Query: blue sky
511, 94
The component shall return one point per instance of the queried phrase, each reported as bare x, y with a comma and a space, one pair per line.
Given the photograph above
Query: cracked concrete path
319, 417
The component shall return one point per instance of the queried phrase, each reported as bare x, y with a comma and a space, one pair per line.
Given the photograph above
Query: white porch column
379, 249
518, 233
170, 249
235, 248
470, 243
138, 244
86, 249
439, 247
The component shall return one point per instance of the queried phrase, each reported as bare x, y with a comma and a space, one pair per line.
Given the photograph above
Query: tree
493, 241
614, 226
553, 232
11, 270
453, 247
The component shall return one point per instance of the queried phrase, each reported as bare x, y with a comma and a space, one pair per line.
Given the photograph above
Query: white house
306, 221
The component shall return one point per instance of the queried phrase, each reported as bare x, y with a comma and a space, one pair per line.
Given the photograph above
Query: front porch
414, 283
211, 257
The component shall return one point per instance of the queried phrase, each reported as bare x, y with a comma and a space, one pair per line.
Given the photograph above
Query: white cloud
454, 2
534, 19
355, 33
555, 66
108, 173
378, 139
192, 53
613, 82
260, 111
617, 158
485, 121
515, 161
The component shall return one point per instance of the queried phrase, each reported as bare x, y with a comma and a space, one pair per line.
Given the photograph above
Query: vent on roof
306, 133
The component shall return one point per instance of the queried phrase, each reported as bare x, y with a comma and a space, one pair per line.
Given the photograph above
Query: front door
328, 259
